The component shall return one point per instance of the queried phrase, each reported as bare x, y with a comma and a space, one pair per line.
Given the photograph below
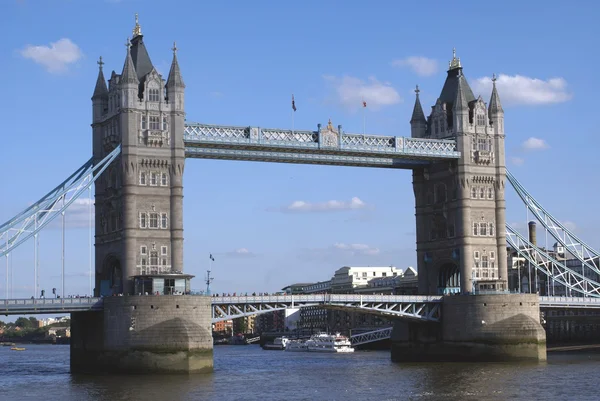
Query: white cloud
535, 144
241, 253
332, 205
77, 215
56, 57
356, 249
517, 161
521, 90
421, 66
350, 92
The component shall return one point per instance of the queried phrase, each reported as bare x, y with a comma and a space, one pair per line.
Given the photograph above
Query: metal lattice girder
371, 336
551, 267
416, 307
282, 142
572, 244
33, 219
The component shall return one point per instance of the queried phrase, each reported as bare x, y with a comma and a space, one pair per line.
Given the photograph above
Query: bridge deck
416, 307
313, 147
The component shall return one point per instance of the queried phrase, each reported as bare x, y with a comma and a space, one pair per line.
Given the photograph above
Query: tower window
144, 122
153, 95
476, 254
474, 192
482, 193
154, 258
475, 228
163, 179
481, 119
154, 123
164, 261
163, 220
492, 255
142, 178
153, 220
153, 179
490, 193
143, 250
484, 144
165, 123
491, 229
143, 222
482, 228
163, 250
484, 261
144, 262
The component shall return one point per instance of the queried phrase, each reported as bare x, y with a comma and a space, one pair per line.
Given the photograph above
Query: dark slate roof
418, 115
140, 57
449, 90
175, 78
495, 105
100, 90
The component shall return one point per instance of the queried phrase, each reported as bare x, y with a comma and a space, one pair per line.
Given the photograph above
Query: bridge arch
449, 278
111, 276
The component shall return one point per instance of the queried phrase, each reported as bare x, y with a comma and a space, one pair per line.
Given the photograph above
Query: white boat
322, 342
278, 344
296, 346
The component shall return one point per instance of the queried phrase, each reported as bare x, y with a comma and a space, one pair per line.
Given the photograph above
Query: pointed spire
100, 90
455, 62
175, 79
495, 105
460, 102
418, 115
129, 75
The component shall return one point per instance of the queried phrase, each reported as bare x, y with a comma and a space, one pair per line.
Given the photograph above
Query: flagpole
364, 120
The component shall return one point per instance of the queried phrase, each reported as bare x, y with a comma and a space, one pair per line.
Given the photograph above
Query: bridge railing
326, 298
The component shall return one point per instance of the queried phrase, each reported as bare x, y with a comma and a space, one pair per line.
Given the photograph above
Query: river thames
249, 373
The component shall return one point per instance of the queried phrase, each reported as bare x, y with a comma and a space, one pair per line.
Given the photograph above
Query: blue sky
241, 62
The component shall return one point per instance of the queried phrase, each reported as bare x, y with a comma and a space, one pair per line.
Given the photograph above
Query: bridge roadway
415, 307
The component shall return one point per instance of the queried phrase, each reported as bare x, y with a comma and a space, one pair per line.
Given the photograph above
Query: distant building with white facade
347, 278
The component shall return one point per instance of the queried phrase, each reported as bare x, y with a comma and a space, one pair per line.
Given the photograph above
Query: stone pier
475, 328
144, 334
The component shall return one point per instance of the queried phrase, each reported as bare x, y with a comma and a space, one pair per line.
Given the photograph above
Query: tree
23, 323
34, 322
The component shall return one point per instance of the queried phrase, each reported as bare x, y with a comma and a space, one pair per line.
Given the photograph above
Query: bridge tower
461, 240
139, 203
155, 325
460, 207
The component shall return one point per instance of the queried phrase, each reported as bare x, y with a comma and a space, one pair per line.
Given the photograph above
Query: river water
249, 373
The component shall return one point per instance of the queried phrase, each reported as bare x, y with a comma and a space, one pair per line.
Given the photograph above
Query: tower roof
100, 90
450, 86
139, 54
417, 114
460, 101
175, 78
129, 71
495, 105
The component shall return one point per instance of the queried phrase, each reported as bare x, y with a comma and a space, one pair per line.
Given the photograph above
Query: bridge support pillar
144, 334
475, 328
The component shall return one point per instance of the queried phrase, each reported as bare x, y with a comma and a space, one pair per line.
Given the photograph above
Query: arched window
142, 178
474, 192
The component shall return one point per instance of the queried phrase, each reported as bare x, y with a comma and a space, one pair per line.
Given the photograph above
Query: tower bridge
140, 142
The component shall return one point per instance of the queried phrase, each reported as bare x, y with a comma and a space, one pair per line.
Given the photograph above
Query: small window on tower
165, 123
153, 95
163, 179
163, 220
142, 178
143, 250
474, 192
153, 220
163, 250
490, 193
144, 122
142, 220
153, 179
154, 123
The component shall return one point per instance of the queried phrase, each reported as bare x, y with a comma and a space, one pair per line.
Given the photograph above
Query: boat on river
322, 342
18, 349
278, 344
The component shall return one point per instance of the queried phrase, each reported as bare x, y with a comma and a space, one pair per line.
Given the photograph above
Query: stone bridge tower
460, 207
139, 201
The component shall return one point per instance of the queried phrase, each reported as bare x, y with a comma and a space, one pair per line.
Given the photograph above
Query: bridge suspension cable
32, 220
583, 252
550, 266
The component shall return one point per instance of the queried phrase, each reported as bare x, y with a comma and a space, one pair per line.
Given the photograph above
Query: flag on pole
293, 103
211, 257
364, 104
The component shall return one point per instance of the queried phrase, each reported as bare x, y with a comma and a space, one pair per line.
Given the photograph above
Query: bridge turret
100, 96
418, 123
495, 111
460, 109
129, 81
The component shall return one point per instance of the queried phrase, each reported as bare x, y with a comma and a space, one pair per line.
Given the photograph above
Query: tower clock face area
139, 202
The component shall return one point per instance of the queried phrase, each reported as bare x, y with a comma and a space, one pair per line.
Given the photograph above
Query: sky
269, 225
